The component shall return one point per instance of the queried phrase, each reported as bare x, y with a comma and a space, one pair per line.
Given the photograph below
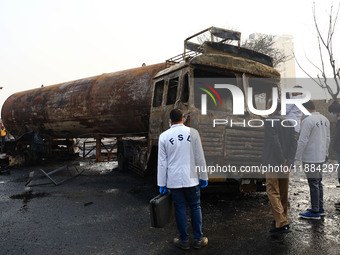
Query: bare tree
266, 44
326, 54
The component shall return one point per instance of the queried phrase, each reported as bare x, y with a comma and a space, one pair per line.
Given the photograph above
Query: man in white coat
180, 157
293, 112
312, 150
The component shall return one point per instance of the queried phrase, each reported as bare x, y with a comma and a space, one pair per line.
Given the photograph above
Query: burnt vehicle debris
26, 149
134, 105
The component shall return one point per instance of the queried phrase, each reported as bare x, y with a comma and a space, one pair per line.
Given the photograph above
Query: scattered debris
48, 175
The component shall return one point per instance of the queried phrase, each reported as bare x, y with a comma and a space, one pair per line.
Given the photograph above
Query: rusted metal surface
212, 140
244, 146
238, 145
101, 106
98, 150
222, 145
224, 34
119, 105
218, 48
236, 64
230, 59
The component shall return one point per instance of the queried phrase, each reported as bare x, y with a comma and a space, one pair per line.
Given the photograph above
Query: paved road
105, 211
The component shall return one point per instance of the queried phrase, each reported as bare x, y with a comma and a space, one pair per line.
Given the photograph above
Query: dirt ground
104, 211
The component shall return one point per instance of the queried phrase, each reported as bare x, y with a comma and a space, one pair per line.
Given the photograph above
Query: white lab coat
314, 139
179, 152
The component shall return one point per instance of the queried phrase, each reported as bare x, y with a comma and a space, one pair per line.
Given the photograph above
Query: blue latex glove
203, 183
163, 190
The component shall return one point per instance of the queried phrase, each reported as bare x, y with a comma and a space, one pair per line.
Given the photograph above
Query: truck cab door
177, 96
169, 92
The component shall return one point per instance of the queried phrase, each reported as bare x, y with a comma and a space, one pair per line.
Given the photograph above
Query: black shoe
199, 244
183, 245
283, 230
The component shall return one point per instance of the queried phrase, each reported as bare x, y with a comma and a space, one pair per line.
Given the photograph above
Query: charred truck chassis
134, 105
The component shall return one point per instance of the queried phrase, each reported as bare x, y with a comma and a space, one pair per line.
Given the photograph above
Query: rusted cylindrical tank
111, 104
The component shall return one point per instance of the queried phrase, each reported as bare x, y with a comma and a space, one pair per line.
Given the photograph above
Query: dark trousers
2, 143
314, 175
191, 196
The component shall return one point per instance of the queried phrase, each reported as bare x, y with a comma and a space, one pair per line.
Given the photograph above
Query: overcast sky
53, 41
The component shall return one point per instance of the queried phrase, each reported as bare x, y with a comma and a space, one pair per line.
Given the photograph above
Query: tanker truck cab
170, 91
195, 73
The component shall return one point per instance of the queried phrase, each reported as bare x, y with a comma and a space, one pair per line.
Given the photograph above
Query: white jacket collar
176, 125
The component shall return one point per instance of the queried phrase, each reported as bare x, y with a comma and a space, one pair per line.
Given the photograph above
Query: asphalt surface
104, 211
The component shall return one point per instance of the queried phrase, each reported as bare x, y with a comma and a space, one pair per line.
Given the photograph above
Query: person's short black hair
334, 107
309, 105
176, 115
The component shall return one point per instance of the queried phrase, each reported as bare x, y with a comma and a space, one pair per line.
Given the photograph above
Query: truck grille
244, 147
212, 140
237, 146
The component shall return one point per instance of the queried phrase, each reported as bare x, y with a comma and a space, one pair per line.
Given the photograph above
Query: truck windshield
262, 90
216, 99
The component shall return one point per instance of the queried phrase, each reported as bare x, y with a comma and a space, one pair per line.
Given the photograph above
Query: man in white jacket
293, 112
312, 150
180, 157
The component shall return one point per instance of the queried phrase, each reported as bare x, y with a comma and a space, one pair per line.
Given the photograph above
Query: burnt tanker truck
134, 105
